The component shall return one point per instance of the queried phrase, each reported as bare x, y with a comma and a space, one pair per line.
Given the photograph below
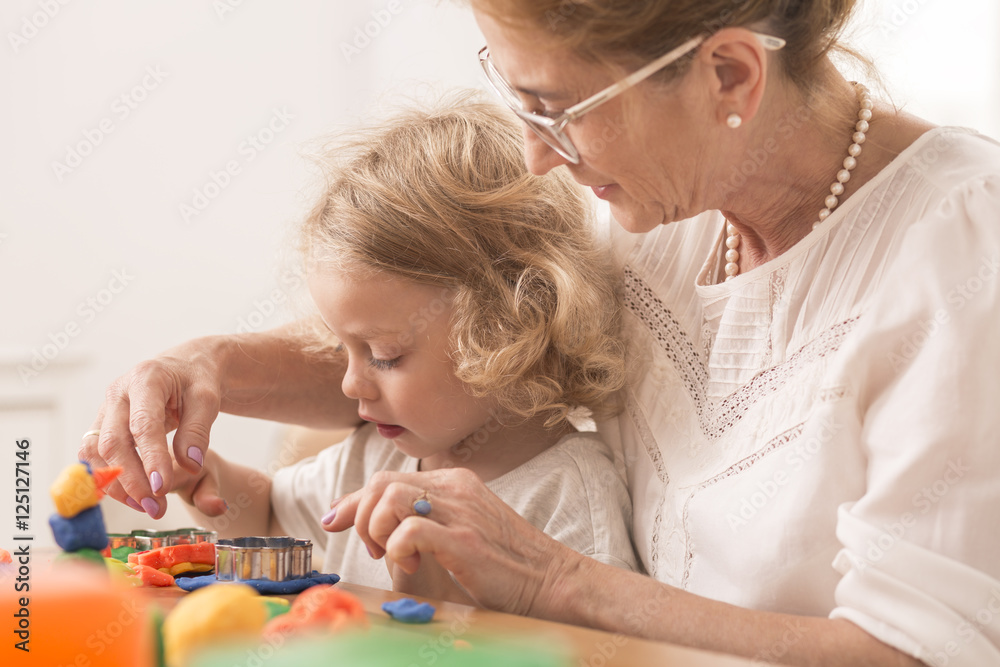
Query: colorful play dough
393, 646
83, 531
262, 586
84, 556
185, 555
76, 619
76, 489
276, 606
408, 610
209, 616
319, 610
149, 576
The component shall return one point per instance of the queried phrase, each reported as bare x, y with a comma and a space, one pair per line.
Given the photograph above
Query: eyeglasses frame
556, 124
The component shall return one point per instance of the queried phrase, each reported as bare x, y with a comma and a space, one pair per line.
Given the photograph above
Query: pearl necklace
837, 189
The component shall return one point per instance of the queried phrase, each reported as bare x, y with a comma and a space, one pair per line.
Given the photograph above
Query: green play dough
383, 647
85, 555
121, 553
275, 606
156, 618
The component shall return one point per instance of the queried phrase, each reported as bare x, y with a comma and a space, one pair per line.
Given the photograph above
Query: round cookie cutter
272, 558
144, 540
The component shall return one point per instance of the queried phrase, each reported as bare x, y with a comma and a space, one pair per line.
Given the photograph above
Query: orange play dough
75, 619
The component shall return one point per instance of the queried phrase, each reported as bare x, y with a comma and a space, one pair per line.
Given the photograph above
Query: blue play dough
408, 610
263, 586
83, 531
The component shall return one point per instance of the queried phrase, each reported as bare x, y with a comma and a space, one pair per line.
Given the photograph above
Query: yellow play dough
216, 613
73, 491
181, 568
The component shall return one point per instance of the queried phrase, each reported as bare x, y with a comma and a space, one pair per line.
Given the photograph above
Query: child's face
396, 336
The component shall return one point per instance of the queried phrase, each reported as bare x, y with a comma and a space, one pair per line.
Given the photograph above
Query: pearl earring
734, 120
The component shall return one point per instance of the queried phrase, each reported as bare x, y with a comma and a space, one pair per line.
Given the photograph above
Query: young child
474, 312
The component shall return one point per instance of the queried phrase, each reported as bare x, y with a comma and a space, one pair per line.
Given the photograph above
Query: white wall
110, 230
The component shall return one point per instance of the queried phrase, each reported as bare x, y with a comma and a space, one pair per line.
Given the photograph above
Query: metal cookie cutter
274, 558
144, 540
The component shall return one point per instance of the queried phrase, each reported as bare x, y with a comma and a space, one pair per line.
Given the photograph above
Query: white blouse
821, 435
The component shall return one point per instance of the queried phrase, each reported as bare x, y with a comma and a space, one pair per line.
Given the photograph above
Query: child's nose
356, 384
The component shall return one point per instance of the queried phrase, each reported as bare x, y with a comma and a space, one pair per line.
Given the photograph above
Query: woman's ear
736, 65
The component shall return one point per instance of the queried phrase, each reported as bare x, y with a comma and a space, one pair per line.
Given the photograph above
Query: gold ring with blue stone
421, 505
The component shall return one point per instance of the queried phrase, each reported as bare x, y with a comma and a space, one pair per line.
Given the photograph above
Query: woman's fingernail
369, 551
130, 501
195, 455
155, 481
151, 506
329, 517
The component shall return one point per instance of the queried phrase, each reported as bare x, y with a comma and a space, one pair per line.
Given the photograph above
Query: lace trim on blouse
738, 467
716, 420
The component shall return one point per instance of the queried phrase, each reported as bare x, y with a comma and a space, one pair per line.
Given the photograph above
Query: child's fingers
342, 513
206, 498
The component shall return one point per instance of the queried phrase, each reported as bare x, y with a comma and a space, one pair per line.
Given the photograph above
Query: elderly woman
809, 432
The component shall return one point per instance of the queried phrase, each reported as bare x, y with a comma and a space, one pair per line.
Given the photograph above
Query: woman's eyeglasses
551, 129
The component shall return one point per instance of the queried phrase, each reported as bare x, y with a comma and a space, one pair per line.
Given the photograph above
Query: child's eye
383, 364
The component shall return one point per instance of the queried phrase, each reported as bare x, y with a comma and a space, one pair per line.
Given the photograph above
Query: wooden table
590, 648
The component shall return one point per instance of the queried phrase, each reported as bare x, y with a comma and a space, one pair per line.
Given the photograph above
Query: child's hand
201, 489
430, 581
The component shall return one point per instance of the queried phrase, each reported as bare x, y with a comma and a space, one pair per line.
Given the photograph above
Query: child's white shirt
571, 491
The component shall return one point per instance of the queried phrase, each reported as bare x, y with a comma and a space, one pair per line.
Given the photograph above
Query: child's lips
389, 431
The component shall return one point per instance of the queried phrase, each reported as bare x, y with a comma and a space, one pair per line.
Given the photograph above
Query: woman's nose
539, 157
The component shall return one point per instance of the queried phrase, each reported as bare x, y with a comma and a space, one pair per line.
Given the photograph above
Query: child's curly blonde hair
442, 196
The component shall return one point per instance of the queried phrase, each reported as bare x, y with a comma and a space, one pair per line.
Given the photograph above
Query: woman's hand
501, 560
178, 390
429, 581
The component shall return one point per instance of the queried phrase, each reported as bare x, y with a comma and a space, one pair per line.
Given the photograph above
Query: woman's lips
603, 191
389, 431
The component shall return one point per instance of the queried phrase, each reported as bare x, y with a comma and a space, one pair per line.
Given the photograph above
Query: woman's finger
201, 408
397, 503
116, 447
88, 454
148, 398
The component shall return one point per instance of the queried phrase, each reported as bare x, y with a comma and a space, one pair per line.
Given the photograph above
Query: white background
226, 67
